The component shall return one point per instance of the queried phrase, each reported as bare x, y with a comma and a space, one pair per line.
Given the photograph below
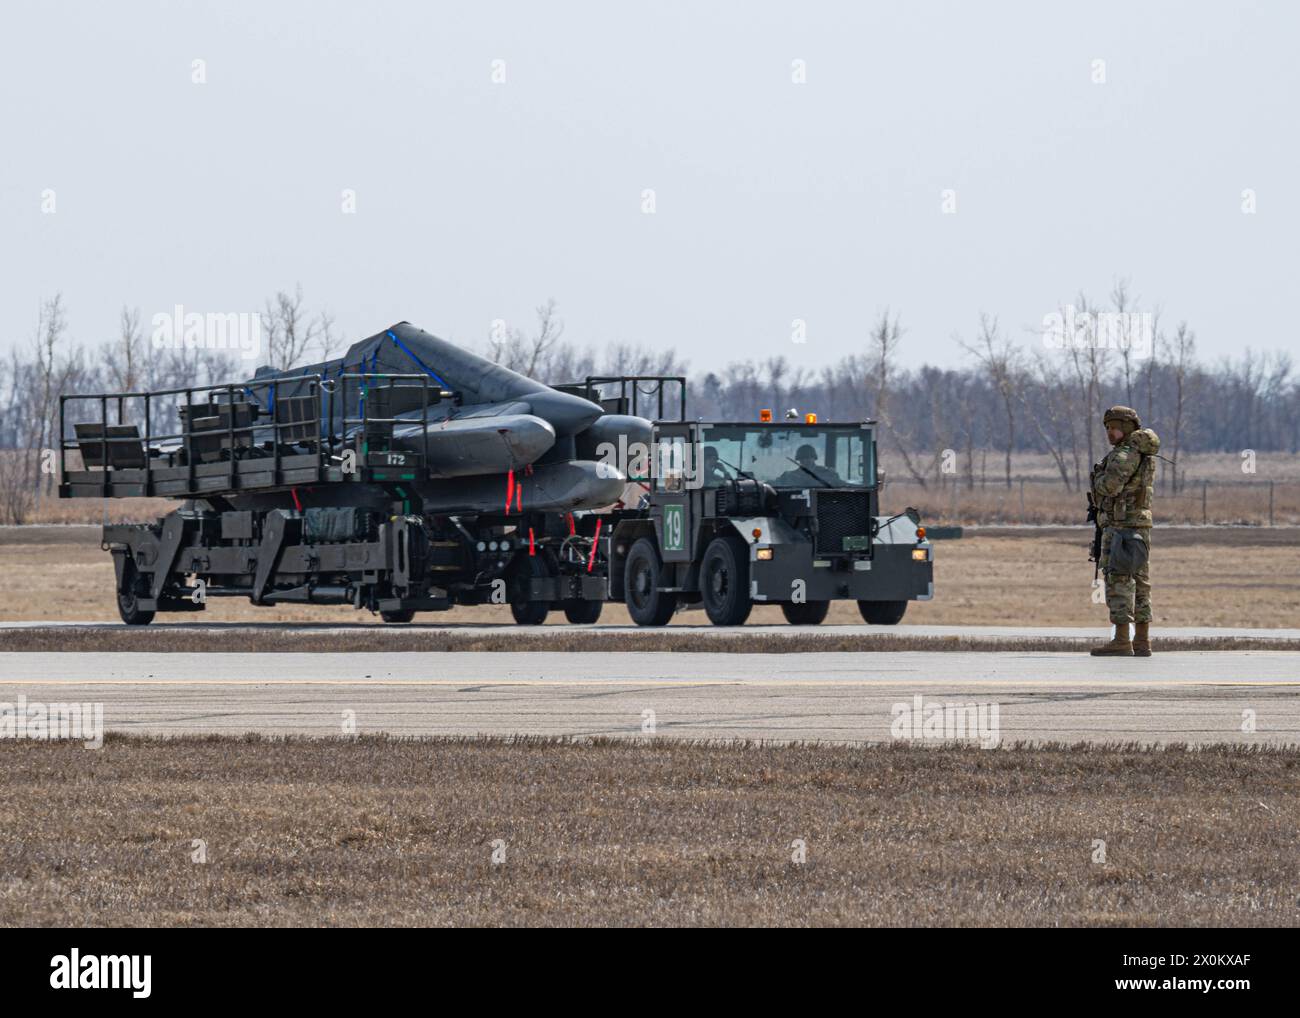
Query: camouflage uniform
1122, 489
1128, 597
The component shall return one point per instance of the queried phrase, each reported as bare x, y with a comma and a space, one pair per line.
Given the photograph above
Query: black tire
810, 613
398, 617
128, 604
583, 613
646, 603
882, 613
724, 581
529, 613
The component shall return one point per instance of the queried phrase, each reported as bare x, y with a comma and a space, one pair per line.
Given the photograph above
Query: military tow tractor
782, 513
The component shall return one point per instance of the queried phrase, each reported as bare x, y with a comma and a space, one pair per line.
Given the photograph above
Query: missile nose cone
567, 414
602, 484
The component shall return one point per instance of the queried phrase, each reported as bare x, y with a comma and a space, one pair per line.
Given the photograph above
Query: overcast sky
774, 200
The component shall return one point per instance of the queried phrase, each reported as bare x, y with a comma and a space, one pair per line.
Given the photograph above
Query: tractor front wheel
809, 613
882, 613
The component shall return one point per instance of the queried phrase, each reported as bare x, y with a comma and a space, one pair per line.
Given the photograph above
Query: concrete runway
1195, 697
693, 627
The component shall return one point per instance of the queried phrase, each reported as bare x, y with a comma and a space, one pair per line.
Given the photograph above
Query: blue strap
423, 367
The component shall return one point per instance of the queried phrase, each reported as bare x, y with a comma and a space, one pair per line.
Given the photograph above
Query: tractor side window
720, 461
671, 466
850, 456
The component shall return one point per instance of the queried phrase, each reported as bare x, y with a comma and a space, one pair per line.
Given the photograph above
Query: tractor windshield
798, 457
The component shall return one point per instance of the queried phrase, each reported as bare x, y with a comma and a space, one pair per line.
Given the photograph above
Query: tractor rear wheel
724, 581
646, 603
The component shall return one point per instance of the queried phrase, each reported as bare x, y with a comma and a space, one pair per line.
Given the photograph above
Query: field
394, 832
1216, 488
1245, 577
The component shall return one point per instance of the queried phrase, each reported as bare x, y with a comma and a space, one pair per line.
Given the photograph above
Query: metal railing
594, 383
185, 401
368, 385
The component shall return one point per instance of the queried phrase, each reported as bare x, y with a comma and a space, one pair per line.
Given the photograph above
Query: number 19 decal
674, 528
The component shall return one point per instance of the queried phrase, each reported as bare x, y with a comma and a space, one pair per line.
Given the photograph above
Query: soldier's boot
1142, 639
1119, 646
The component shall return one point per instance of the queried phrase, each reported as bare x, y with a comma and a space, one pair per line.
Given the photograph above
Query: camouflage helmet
1125, 417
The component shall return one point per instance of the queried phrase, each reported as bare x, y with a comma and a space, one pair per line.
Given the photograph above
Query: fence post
1022, 500
1270, 503
1205, 492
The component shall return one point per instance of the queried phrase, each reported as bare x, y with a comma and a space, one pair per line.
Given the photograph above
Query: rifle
1095, 554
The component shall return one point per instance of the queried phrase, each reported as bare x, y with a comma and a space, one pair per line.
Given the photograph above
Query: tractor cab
782, 512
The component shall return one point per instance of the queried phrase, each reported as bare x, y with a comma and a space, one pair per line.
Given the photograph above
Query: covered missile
493, 422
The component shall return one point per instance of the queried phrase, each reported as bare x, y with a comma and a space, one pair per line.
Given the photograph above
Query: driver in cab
805, 469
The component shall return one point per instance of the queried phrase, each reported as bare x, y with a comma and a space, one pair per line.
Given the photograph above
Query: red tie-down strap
572, 529
296, 503
510, 489
592, 561
532, 543
519, 497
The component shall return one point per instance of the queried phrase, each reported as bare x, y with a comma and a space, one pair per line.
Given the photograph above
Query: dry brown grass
1227, 577
1280, 466
1233, 497
392, 832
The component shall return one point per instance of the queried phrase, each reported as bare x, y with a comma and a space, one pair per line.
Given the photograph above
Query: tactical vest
1131, 507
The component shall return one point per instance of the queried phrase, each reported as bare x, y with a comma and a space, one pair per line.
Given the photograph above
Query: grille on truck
841, 514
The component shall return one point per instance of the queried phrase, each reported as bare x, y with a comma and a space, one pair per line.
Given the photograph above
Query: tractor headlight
920, 554
763, 554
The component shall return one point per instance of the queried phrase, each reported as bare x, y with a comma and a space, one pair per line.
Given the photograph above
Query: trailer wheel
583, 613
398, 616
882, 613
724, 581
128, 604
646, 603
526, 612
810, 613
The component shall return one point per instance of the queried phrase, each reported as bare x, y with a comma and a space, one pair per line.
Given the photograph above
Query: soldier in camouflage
1121, 488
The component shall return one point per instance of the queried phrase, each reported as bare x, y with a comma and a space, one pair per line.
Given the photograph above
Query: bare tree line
542, 354
50, 363
1008, 396
1005, 397
1013, 397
